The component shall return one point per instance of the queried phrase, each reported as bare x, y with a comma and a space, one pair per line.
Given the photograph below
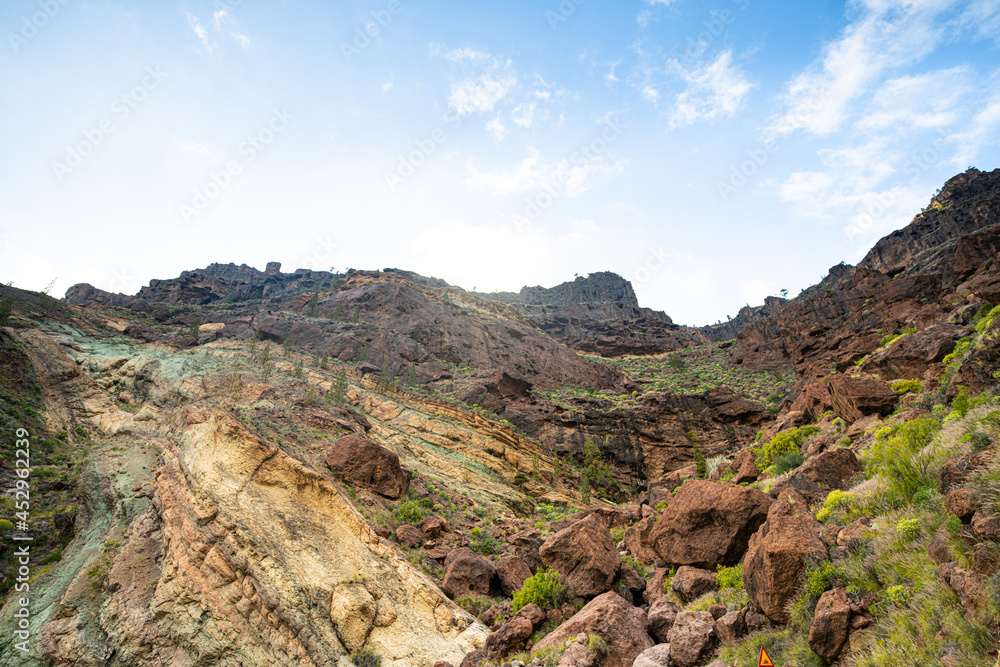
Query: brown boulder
779, 555
709, 524
512, 571
508, 639
621, 625
655, 588
962, 503
857, 397
360, 461
577, 655
467, 573
533, 613
638, 540
829, 631
691, 638
832, 469
661, 617
474, 659
957, 472
409, 535
584, 555
526, 545
497, 612
690, 583
746, 467
732, 627
657, 656
434, 527
986, 525
635, 584
717, 610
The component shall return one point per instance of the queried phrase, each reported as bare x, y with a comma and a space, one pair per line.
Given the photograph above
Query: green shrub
785, 442
366, 658
907, 386
988, 321
6, 525
924, 497
410, 511
822, 578
543, 589
474, 604
482, 541
787, 462
729, 577
6, 306
893, 596
961, 402
908, 529
699, 462
903, 456
660, 506
597, 646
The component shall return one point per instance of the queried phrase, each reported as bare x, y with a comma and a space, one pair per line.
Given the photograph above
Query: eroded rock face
780, 553
360, 461
709, 524
857, 397
621, 625
585, 555
512, 571
831, 624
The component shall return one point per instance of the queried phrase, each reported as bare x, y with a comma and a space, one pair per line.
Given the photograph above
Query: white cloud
532, 173
889, 34
523, 115
610, 78
929, 100
243, 40
714, 90
481, 94
983, 18
386, 87
222, 17
983, 130
200, 32
651, 94
191, 147
497, 129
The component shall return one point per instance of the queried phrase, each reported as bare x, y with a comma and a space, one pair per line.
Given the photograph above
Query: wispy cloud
714, 90
200, 33
222, 19
532, 173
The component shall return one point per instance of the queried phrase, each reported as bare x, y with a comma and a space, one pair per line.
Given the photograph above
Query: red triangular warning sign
765, 659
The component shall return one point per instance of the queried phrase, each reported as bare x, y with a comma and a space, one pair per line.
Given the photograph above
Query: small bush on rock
542, 589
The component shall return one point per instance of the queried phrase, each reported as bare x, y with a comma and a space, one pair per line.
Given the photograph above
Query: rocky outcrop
857, 397
709, 524
512, 572
621, 625
361, 462
467, 573
967, 203
584, 555
779, 554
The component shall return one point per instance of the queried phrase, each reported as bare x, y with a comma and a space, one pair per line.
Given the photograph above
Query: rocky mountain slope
243, 467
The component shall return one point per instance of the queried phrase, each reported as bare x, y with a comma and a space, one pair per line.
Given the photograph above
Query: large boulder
661, 617
709, 524
831, 624
508, 639
361, 462
657, 656
466, 573
691, 638
857, 397
584, 555
638, 540
820, 474
621, 625
690, 583
732, 627
512, 571
779, 554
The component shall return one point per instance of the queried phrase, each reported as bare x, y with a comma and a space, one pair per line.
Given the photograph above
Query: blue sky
712, 152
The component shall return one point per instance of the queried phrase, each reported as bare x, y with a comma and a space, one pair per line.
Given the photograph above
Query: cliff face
600, 314
967, 203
